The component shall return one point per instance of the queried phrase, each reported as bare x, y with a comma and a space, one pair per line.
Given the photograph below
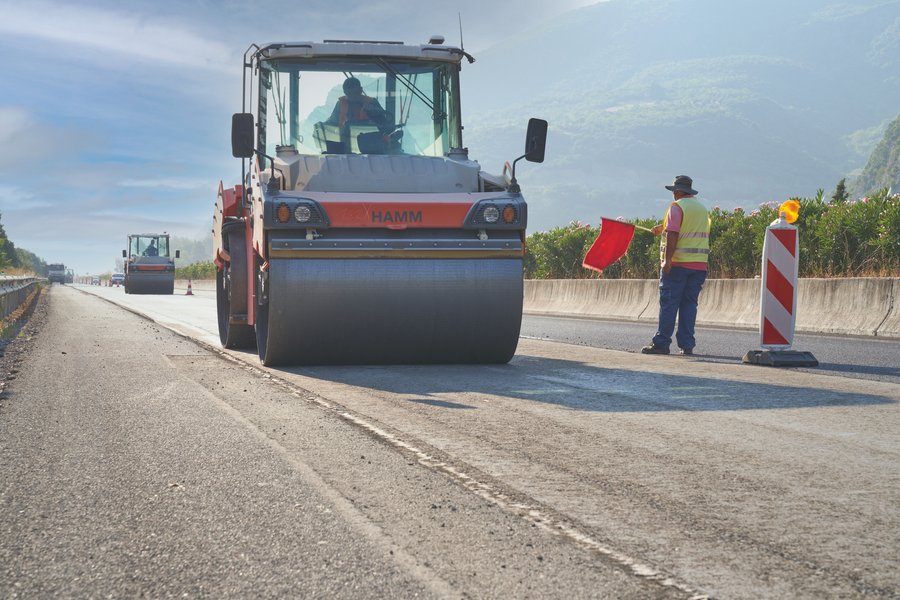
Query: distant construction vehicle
362, 232
56, 273
149, 268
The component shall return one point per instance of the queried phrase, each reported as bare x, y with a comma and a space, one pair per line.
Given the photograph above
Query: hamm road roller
361, 231
149, 269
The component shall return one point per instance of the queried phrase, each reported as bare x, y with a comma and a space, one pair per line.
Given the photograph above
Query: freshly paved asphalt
865, 358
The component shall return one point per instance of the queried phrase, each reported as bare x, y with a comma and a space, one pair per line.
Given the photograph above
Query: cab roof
360, 48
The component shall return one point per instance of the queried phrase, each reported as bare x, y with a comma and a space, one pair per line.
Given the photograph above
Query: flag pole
648, 230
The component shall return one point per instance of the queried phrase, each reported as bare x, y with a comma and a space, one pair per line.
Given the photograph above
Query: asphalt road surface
865, 358
138, 459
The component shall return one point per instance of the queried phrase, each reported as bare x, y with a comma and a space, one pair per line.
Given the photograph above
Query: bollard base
780, 358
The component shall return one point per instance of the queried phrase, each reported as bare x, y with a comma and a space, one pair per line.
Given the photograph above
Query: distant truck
56, 273
149, 269
117, 279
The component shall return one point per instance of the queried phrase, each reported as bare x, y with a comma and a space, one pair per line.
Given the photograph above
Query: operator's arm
335, 114
377, 114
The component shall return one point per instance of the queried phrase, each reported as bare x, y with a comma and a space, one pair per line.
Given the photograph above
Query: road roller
361, 231
149, 268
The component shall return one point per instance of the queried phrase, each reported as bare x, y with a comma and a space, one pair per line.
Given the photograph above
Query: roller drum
390, 311
150, 283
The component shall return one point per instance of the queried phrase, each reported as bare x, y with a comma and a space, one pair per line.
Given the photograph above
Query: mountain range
883, 168
756, 100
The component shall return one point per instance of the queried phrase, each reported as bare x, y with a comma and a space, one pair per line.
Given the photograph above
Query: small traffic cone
189, 292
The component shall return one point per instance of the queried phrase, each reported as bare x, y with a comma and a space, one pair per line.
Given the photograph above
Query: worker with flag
683, 254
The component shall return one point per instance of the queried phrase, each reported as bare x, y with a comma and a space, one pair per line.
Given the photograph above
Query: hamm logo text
397, 216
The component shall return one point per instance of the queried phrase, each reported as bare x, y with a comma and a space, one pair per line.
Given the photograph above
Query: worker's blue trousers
679, 291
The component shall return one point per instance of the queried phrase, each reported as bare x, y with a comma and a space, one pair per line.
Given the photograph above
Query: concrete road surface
134, 460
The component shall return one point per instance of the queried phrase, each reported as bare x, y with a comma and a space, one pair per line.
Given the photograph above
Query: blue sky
115, 116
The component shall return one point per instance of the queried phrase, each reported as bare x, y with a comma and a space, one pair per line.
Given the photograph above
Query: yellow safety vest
693, 239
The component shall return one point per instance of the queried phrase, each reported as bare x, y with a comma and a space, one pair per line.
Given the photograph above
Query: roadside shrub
197, 270
557, 254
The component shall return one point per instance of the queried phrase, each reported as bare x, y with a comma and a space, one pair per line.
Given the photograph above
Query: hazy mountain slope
756, 100
883, 168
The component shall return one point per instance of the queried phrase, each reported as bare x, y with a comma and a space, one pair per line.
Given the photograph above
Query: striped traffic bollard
778, 304
778, 301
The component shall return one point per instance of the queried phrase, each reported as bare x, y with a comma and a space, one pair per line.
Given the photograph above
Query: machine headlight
491, 214
302, 214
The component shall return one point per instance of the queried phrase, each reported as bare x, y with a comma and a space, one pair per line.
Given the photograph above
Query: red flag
610, 245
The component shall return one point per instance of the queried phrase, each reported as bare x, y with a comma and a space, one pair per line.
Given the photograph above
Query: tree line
839, 237
18, 260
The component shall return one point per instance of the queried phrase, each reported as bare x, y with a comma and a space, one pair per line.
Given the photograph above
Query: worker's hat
683, 183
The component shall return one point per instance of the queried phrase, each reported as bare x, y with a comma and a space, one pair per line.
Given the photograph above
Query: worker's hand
667, 266
657, 229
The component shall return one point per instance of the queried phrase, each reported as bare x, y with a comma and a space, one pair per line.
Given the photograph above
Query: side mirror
242, 135
178, 254
535, 140
124, 253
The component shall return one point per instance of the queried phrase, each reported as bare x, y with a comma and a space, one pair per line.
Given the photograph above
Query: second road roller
361, 231
149, 268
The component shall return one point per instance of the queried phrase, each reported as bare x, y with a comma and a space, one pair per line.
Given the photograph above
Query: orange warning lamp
791, 210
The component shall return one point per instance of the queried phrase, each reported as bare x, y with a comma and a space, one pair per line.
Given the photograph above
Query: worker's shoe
686, 351
654, 349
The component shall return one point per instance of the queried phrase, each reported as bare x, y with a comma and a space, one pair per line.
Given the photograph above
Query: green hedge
838, 238
197, 270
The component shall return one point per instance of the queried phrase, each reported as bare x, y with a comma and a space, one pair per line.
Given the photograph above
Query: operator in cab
151, 249
356, 106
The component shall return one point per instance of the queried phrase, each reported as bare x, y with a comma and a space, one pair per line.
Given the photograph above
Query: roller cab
149, 268
361, 232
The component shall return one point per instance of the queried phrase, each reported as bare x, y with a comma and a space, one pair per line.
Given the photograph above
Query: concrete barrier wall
196, 284
628, 300
855, 306
849, 306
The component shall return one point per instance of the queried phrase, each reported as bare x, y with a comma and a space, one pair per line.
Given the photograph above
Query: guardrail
14, 291
866, 306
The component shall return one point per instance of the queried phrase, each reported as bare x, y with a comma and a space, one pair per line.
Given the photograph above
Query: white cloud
13, 121
167, 183
117, 32
21, 139
28, 145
